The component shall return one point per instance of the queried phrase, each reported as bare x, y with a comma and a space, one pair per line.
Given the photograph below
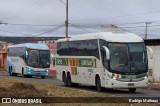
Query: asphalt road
116, 92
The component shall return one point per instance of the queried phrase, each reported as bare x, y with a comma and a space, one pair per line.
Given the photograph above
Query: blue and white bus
28, 59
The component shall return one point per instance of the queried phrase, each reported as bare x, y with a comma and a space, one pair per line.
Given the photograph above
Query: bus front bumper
37, 73
119, 84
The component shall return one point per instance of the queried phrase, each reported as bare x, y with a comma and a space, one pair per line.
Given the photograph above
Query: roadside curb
155, 86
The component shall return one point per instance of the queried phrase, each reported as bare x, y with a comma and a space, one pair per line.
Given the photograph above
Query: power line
79, 27
15, 32
29, 9
36, 5
62, 2
40, 33
52, 30
30, 25
99, 26
119, 16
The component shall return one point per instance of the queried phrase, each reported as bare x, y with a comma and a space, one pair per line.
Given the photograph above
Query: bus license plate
130, 84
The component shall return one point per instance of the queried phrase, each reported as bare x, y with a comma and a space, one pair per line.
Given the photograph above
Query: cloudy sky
47, 17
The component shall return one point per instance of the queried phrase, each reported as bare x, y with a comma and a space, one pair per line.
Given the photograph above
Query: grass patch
19, 89
14, 88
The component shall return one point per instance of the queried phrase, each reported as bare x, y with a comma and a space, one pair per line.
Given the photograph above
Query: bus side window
104, 59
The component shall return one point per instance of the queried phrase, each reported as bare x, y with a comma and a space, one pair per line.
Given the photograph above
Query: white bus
28, 59
104, 60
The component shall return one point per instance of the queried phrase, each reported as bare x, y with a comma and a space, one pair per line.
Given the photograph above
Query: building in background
154, 64
3, 55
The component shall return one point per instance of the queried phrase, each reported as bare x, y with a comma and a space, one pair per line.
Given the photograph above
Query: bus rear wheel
98, 84
132, 90
70, 84
11, 73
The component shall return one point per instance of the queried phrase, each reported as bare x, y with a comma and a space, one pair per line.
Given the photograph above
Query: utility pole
66, 22
146, 29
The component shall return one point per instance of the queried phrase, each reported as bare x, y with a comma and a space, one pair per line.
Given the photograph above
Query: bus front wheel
43, 77
132, 90
23, 73
98, 84
65, 79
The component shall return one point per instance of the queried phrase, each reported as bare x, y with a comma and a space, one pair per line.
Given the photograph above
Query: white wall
154, 64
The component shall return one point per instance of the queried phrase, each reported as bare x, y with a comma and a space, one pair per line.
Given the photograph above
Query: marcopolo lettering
86, 63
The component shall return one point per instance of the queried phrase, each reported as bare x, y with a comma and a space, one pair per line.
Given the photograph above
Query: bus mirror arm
107, 52
26, 54
151, 52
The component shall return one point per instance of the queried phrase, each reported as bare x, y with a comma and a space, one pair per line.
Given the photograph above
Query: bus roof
32, 46
108, 36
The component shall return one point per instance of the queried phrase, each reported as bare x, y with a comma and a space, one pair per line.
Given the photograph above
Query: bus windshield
39, 58
128, 58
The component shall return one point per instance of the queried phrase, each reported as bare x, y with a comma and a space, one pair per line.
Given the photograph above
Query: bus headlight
145, 77
47, 70
114, 78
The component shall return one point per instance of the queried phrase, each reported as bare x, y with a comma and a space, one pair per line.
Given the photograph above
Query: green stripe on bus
73, 61
134, 76
131, 76
75, 70
82, 62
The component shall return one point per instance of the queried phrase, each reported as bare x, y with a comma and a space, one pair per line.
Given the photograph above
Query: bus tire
14, 74
23, 73
132, 90
30, 76
10, 71
70, 84
43, 77
98, 84
75, 84
65, 79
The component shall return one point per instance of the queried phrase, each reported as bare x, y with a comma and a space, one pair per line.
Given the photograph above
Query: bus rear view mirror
107, 52
53, 59
26, 54
150, 52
